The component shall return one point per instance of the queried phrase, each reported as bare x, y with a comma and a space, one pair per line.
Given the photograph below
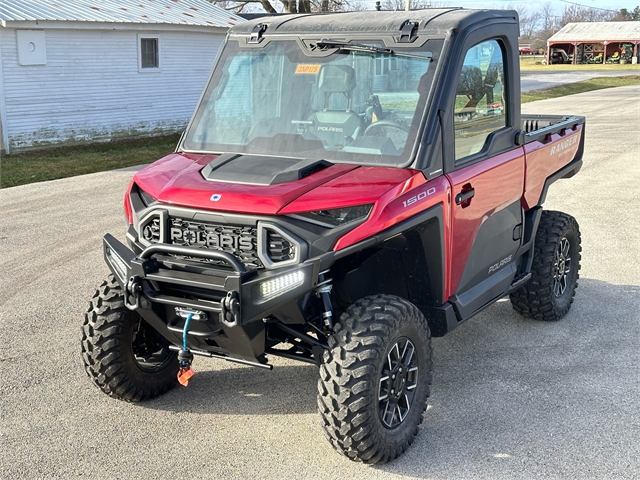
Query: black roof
430, 20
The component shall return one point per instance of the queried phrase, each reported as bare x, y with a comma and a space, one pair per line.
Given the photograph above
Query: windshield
350, 107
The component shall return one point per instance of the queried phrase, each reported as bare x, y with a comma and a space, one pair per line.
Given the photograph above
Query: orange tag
184, 376
307, 69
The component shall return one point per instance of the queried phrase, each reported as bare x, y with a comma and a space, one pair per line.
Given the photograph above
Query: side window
148, 53
480, 108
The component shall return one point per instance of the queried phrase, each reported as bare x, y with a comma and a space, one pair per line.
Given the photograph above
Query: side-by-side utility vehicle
349, 186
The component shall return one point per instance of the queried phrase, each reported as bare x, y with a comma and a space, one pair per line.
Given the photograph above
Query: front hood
177, 180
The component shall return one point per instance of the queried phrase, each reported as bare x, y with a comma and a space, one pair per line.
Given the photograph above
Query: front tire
124, 356
554, 275
375, 379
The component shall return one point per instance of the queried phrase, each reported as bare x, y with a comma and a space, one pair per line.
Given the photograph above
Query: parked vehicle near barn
558, 56
317, 211
526, 50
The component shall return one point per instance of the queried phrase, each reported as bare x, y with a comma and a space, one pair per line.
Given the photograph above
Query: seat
336, 127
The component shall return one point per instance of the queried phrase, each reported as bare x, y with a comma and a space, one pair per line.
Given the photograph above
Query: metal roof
172, 12
597, 32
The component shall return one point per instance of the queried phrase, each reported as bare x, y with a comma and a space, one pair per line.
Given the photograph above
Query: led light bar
118, 263
279, 285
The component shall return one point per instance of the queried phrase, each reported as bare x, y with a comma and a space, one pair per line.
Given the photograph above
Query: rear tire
554, 275
375, 379
124, 357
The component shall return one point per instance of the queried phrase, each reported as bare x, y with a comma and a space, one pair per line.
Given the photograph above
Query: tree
287, 6
548, 23
576, 13
413, 4
529, 24
625, 14
528, 21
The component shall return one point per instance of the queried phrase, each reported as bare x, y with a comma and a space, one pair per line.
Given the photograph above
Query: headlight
337, 217
282, 284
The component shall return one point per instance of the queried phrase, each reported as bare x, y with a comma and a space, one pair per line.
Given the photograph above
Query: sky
558, 5
533, 6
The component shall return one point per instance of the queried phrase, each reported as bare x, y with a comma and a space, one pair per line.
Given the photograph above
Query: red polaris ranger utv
349, 185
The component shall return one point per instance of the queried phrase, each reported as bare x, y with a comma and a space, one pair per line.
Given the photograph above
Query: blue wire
184, 332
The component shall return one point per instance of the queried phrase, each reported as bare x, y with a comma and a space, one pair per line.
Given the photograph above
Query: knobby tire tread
105, 352
535, 299
347, 384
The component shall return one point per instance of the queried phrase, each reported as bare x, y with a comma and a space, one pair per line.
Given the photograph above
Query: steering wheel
385, 123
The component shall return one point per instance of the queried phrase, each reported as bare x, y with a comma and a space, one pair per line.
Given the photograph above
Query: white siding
91, 89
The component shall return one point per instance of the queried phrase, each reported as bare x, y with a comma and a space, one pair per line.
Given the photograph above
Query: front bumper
228, 303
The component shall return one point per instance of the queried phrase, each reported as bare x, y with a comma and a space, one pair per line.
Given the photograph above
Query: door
487, 183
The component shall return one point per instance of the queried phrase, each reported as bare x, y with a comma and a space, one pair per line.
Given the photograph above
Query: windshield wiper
360, 47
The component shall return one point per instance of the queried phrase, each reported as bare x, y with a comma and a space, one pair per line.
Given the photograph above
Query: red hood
176, 180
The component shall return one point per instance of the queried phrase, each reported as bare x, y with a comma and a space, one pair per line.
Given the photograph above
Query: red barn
597, 42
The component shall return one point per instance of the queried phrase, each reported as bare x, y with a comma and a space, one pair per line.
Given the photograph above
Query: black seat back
334, 126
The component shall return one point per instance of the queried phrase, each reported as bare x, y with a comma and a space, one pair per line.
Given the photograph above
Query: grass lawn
529, 63
597, 83
62, 162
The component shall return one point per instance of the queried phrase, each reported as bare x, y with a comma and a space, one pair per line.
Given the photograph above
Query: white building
88, 70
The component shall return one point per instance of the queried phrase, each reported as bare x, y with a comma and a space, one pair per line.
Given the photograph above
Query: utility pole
407, 4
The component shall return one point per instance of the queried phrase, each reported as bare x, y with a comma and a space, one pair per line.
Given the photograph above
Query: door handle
465, 196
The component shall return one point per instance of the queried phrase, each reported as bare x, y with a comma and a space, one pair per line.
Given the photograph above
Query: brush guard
225, 303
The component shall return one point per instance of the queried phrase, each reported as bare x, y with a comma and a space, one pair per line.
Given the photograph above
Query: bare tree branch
577, 13
397, 5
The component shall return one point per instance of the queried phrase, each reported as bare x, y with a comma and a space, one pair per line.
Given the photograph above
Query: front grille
240, 241
279, 248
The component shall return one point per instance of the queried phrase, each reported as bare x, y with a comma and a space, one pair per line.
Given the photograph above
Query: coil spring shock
323, 290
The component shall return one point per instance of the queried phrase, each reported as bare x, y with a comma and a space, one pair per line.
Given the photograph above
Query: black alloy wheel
150, 349
398, 382
562, 267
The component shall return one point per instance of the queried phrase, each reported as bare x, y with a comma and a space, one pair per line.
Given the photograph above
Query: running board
519, 281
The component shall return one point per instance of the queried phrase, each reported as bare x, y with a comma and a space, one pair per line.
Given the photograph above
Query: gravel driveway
512, 398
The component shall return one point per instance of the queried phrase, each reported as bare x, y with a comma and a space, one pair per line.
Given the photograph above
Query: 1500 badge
418, 197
